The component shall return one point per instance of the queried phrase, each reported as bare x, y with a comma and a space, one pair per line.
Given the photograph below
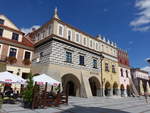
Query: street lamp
101, 58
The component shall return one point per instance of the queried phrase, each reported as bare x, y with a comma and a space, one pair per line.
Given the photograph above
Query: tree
28, 92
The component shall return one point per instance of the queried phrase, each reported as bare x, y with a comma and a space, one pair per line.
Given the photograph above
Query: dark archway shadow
81, 109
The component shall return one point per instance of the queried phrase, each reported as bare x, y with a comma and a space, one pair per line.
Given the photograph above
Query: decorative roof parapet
108, 41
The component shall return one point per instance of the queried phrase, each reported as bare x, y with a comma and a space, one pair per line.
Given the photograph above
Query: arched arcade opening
95, 86
71, 85
122, 90
115, 89
107, 89
128, 90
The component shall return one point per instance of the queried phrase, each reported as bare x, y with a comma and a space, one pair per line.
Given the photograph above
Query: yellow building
110, 77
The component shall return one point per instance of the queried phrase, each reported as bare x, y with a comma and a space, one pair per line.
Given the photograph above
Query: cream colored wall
57, 72
15, 69
8, 22
8, 34
107, 48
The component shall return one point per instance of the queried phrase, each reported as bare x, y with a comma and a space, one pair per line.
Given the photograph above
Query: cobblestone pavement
89, 105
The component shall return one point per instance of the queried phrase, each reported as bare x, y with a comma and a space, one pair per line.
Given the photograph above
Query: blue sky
126, 22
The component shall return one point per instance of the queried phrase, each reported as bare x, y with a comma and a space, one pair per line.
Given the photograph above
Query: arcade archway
95, 86
107, 89
71, 85
115, 89
122, 90
128, 91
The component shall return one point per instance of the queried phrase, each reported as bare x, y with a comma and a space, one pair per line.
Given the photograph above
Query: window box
11, 59
26, 62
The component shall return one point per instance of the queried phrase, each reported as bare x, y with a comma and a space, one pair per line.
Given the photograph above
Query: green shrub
28, 92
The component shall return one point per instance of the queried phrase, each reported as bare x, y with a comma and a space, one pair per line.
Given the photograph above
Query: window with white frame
77, 37
27, 55
107, 67
84, 40
91, 43
68, 57
13, 52
96, 46
49, 29
95, 63
1, 21
60, 30
1, 32
69, 35
102, 47
15, 36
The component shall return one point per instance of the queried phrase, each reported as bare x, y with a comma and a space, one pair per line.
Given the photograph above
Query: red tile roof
24, 42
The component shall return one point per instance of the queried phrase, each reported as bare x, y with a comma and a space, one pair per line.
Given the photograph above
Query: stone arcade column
85, 89
148, 88
125, 92
141, 88
118, 92
99, 92
111, 92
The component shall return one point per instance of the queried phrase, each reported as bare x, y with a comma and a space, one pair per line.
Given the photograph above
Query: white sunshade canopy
43, 78
7, 77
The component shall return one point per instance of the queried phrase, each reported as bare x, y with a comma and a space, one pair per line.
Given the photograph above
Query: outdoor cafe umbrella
7, 77
43, 78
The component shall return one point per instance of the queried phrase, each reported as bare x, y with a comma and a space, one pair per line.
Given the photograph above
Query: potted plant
26, 62
28, 93
11, 59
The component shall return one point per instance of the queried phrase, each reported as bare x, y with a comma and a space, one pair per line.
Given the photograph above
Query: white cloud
142, 21
147, 68
28, 30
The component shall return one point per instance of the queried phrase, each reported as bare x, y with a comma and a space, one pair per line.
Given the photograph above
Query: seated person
9, 92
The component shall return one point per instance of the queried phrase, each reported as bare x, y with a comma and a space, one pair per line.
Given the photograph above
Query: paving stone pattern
89, 105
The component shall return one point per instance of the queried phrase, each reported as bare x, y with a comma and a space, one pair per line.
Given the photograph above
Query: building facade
124, 73
141, 80
74, 57
15, 49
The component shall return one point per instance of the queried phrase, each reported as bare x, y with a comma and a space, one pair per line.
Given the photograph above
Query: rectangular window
1, 21
94, 63
69, 35
1, 32
106, 67
15, 36
84, 41
121, 70
27, 55
113, 69
69, 57
127, 73
49, 29
60, 31
81, 60
91, 43
12, 52
77, 38
96, 46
